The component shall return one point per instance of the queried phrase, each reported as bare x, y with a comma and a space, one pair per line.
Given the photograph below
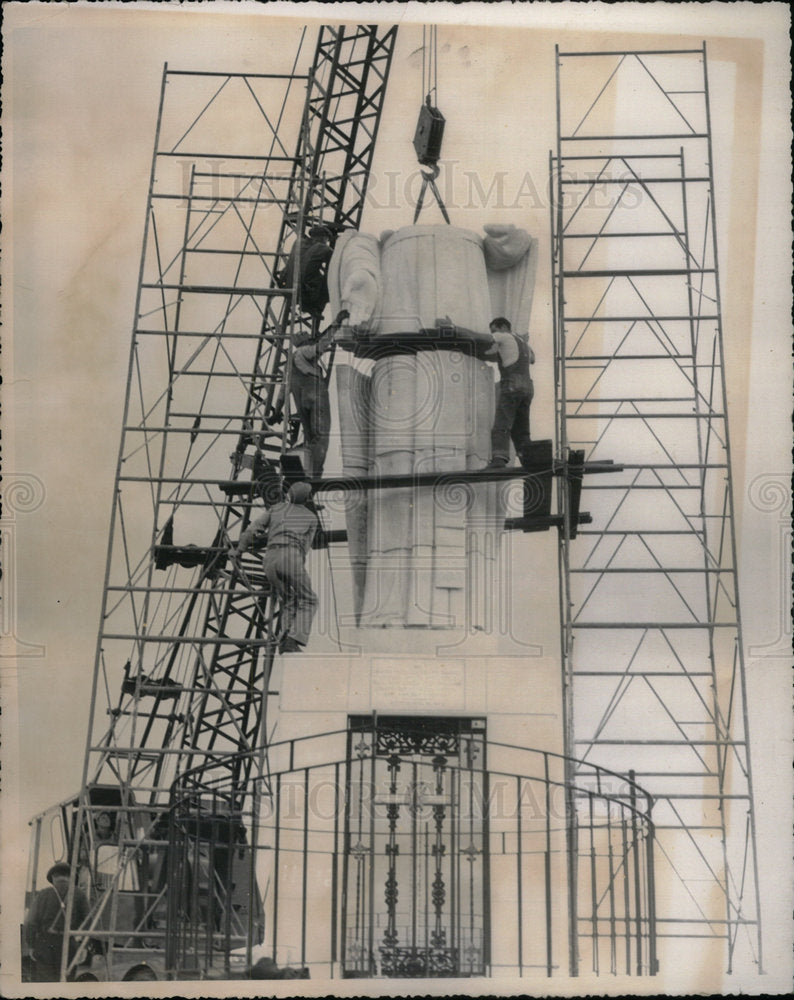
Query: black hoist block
429, 133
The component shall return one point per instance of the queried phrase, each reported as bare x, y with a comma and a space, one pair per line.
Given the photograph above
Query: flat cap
61, 868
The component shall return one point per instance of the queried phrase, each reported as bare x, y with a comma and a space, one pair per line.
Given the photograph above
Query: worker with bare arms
511, 420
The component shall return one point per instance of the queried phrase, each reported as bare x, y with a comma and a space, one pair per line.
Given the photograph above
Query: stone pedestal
519, 696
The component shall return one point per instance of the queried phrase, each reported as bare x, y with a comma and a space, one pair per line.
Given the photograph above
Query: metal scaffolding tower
651, 628
243, 164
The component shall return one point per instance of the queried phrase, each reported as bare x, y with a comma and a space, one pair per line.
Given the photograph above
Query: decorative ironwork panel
419, 963
416, 832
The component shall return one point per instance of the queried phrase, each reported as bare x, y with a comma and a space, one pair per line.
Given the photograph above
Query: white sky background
81, 88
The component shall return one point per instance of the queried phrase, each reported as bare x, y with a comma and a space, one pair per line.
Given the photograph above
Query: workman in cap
312, 252
46, 924
289, 527
513, 355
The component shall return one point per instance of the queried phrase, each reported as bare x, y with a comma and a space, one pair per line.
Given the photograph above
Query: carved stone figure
424, 556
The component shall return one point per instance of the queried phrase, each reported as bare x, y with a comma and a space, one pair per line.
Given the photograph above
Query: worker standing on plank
511, 420
290, 527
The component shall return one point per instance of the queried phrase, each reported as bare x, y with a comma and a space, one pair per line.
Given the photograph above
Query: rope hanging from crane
429, 62
430, 126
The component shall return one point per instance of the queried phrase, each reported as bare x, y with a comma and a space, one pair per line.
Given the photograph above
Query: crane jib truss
186, 646
651, 631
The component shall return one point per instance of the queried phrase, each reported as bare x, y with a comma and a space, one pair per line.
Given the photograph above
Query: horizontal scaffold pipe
148, 753
623, 234
632, 52
194, 640
634, 138
614, 272
649, 317
652, 625
610, 157
220, 335
639, 415
199, 555
632, 180
216, 289
667, 743
439, 479
244, 76
608, 570
194, 155
218, 199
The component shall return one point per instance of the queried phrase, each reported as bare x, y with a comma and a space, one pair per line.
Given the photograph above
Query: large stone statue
426, 556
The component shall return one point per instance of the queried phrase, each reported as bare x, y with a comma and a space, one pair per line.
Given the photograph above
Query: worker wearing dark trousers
310, 393
46, 924
289, 527
514, 395
314, 251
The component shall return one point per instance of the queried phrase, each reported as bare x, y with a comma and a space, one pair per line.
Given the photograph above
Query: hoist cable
429, 63
435, 64
422, 81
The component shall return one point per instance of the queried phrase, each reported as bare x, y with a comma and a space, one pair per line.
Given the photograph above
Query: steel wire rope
429, 62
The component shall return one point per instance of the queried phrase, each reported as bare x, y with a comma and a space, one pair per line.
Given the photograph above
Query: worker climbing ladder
243, 165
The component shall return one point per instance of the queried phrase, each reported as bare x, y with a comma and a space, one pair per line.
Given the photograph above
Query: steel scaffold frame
208, 370
653, 673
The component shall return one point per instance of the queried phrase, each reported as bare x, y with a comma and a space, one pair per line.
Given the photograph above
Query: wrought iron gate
415, 827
